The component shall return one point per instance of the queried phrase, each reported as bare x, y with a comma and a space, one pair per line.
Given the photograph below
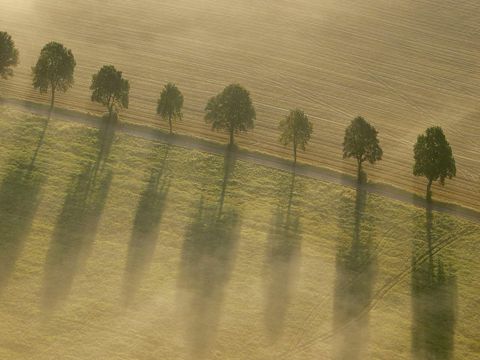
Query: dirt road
263, 159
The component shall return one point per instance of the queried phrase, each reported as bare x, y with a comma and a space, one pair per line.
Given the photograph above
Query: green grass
114, 247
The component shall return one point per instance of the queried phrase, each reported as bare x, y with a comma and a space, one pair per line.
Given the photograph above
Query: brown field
404, 65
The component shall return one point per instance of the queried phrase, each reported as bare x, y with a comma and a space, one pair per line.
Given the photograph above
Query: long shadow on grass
19, 198
146, 228
356, 270
229, 161
40, 141
208, 255
282, 261
77, 224
434, 294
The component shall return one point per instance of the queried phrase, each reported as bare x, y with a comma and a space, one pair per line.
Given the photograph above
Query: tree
231, 110
8, 55
170, 104
54, 70
297, 130
361, 142
433, 158
110, 89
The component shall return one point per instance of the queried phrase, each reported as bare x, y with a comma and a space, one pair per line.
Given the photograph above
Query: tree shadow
146, 228
40, 142
208, 255
19, 199
356, 270
282, 262
76, 225
434, 298
106, 139
229, 161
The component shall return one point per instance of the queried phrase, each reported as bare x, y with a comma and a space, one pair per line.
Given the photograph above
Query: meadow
404, 66
117, 247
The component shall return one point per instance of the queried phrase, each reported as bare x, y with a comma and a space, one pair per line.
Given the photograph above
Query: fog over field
118, 247
403, 65
120, 240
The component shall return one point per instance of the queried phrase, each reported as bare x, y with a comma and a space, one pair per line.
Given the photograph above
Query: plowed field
404, 65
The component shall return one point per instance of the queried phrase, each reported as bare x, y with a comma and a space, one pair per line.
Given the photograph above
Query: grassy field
402, 65
114, 247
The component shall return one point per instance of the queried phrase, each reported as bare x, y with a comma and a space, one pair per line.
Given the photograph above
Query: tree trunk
294, 152
44, 130
52, 102
170, 123
107, 126
359, 170
231, 138
429, 190
110, 112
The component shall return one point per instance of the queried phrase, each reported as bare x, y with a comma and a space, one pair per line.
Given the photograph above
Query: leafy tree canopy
110, 89
296, 129
54, 68
231, 110
170, 103
433, 156
361, 142
8, 55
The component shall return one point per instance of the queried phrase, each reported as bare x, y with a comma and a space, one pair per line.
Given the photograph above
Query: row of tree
231, 111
